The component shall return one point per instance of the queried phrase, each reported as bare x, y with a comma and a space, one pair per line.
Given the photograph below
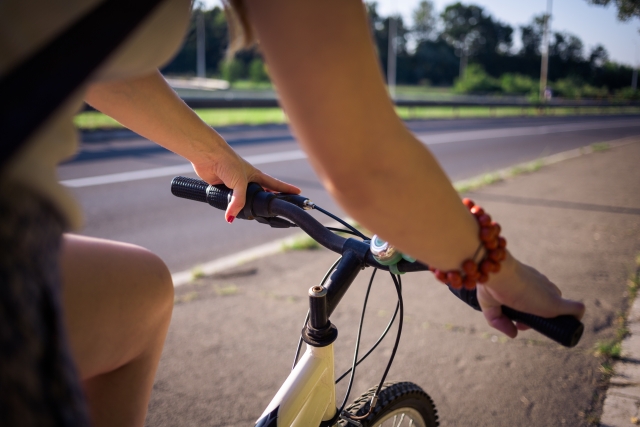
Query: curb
621, 405
274, 247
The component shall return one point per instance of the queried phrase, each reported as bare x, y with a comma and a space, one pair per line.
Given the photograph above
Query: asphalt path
122, 180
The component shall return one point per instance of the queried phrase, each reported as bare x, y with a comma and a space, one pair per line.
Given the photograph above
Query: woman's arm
323, 62
148, 106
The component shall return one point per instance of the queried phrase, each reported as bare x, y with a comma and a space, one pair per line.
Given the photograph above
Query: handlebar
268, 207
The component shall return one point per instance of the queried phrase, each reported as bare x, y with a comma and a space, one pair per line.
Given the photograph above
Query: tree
627, 9
531, 36
424, 21
567, 47
257, 71
598, 56
473, 32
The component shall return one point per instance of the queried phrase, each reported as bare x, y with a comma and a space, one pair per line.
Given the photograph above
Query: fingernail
230, 219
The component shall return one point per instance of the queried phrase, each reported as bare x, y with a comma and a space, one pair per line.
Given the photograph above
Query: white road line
259, 159
445, 138
428, 139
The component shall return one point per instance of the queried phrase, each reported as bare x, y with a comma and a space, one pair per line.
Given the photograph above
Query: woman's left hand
228, 168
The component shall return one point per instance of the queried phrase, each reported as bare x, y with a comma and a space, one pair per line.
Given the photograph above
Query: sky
593, 24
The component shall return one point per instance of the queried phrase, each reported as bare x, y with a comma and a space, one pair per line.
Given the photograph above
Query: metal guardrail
202, 102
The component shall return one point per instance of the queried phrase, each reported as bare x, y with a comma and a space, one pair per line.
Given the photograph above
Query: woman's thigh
117, 299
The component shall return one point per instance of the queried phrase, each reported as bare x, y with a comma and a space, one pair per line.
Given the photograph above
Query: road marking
284, 156
446, 138
259, 159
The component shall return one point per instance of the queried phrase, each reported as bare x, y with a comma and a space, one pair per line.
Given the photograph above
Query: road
123, 183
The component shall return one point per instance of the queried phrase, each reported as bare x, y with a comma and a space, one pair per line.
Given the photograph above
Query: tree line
435, 49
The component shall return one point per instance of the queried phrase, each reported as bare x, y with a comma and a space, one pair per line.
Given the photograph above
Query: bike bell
387, 254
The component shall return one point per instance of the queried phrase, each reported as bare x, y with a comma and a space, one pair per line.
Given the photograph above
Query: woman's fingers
238, 199
271, 183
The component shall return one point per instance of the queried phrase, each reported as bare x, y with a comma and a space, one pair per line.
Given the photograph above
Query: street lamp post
544, 66
391, 57
200, 52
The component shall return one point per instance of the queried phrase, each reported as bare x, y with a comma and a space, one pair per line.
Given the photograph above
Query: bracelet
494, 245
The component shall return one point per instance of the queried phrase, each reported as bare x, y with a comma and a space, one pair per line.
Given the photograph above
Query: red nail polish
231, 218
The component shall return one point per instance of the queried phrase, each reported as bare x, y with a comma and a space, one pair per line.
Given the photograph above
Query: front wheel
399, 404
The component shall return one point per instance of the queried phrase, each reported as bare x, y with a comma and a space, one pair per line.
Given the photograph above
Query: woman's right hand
522, 288
226, 167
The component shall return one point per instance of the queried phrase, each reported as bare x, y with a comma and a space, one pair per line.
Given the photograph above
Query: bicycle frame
308, 396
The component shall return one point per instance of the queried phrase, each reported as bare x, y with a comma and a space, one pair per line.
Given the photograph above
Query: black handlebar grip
189, 188
565, 330
217, 196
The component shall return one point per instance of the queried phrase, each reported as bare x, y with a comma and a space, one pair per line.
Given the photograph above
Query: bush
476, 80
257, 71
231, 70
573, 88
517, 84
628, 93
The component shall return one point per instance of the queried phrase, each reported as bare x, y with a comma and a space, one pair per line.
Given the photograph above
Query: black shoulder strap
34, 89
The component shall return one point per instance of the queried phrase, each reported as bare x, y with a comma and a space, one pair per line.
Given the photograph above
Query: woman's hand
228, 168
525, 289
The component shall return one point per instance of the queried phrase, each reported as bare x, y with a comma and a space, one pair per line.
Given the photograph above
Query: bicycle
308, 395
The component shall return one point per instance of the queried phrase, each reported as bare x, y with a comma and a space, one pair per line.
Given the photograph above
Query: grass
91, 120
225, 291
300, 243
600, 146
197, 273
185, 298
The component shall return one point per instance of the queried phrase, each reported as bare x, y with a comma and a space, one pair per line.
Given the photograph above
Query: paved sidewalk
233, 334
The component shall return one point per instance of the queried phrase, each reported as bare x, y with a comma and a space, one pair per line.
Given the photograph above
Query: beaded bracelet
473, 272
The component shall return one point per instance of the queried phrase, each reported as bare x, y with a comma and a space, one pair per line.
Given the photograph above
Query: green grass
609, 349
600, 146
90, 120
300, 243
225, 291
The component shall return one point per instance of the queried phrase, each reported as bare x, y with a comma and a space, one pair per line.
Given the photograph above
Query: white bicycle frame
308, 396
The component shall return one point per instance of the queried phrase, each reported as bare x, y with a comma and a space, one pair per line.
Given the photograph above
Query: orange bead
496, 227
468, 203
486, 267
491, 244
469, 283
469, 266
495, 267
486, 234
440, 275
502, 242
477, 211
473, 276
494, 255
484, 278
484, 220
455, 280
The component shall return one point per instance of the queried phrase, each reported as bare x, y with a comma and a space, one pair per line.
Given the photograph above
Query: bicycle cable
342, 230
341, 221
397, 281
374, 346
324, 279
357, 346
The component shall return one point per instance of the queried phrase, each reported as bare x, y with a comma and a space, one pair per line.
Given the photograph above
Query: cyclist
323, 62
